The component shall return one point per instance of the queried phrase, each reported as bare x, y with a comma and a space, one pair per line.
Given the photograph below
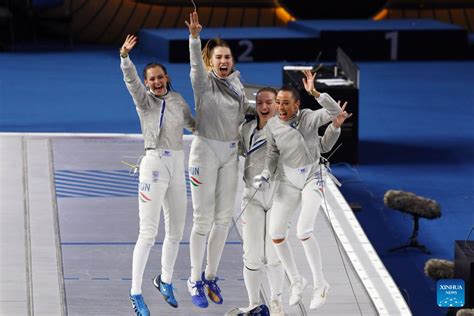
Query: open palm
309, 80
128, 45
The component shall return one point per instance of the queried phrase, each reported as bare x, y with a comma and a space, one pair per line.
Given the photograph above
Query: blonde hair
209, 47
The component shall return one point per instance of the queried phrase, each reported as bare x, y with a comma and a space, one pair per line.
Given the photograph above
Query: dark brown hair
153, 65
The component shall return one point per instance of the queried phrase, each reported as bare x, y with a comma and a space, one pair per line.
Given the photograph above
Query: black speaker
464, 268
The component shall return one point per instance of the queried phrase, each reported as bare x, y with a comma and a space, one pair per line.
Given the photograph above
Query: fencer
260, 258
293, 142
220, 103
163, 114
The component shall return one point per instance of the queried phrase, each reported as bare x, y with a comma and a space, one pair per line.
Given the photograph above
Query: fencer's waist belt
159, 152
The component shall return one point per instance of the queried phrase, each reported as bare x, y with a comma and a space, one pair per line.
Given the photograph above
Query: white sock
215, 247
253, 280
286, 256
276, 277
140, 258
197, 247
169, 254
313, 255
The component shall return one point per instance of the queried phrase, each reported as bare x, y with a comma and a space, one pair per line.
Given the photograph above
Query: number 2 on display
247, 54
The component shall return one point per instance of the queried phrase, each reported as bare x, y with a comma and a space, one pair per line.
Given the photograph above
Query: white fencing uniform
259, 252
162, 181
213, 161
295, 145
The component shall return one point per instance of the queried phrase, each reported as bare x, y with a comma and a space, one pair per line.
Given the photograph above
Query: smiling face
265, 101
221, 61
287, 105
156, 80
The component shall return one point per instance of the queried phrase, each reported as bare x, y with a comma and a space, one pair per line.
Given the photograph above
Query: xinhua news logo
450, 292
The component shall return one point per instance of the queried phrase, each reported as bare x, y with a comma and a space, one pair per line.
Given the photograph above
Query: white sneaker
320, 295
276, 309
296, 291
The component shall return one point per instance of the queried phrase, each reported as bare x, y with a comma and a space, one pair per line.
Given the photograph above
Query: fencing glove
262, 181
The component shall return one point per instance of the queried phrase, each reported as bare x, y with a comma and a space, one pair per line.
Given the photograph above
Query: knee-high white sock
286, 256
169, 254
313, 255
253, 280
276, 277
215, 247
197, 247
140, 258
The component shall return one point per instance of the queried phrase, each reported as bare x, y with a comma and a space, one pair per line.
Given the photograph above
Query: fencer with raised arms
163, 114
220, 103
294, 146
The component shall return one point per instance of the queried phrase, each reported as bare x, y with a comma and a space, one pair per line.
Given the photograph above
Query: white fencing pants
213, 169
292, 191
162, 184
259, 252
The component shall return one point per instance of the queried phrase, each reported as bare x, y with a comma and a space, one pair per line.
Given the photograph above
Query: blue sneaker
213, 290
196, 289
166, 290
139, 305
259, 310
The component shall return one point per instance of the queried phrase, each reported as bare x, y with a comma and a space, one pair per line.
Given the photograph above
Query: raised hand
309, 83
193, 24
128, 45
342, 116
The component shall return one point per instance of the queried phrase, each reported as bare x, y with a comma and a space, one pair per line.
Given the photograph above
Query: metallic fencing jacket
295, 143
253, 147
220, 103
163, 118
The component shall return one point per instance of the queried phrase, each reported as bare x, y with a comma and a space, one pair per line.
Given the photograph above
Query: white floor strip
375, 277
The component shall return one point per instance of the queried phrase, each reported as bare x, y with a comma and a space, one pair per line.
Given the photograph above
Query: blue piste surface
415, 135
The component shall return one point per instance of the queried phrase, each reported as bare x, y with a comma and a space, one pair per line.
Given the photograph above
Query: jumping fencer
293, 143
163, 114
213, 163
260, 257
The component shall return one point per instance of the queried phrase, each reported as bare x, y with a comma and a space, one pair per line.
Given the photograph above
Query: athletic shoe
296, 291
276, 309
320, 295
213, 290
259, 310
196, 289
166, 290
139, 306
